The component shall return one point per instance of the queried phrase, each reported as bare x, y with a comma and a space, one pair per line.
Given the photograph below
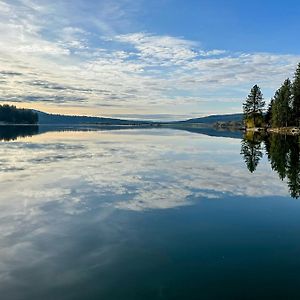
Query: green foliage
282, 106
253, 121
296, 97
13, 115
268, 115
283, 110
253, 107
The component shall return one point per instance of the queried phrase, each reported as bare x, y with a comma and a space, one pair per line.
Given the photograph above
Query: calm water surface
145, 214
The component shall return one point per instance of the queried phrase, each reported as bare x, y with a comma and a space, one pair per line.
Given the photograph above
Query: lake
148, 214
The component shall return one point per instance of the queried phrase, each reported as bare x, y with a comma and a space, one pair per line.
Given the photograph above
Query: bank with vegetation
10, 114
283, 112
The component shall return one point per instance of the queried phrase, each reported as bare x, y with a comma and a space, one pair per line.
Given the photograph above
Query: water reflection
252, 151
143, 214
12, 133
283, 152
15, 132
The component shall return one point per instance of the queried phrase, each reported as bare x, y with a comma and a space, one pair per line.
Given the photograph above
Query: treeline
12, 115
283, 110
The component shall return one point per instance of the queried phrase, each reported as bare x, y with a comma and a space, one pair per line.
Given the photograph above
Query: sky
158, 59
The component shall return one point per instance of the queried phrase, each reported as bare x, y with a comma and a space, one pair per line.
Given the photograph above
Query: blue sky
266, 26
166, 59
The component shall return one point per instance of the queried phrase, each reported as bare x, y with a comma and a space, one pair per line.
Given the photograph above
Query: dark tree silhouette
283, 110
12, 115
284, 156
268, 116
11, 133
282, 105
296, 97
254, 105
252, 152
277, 148
293, 168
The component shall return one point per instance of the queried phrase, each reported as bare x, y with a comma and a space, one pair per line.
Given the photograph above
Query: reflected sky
77, 206
147, 168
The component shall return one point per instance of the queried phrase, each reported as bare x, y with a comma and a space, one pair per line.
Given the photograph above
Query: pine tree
281, 108
296, 97
268, 116
254, 105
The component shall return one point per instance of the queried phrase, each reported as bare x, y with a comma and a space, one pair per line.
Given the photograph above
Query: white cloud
140, 71
211, 52
4, 7
162, 50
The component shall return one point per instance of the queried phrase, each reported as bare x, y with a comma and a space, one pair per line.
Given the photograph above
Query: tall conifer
296, 97
254, 105
281, 108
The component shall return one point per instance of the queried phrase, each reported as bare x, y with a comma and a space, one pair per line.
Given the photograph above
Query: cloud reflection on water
60, 194
129, 171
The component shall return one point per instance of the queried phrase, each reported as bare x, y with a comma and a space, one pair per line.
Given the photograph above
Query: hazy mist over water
143, 214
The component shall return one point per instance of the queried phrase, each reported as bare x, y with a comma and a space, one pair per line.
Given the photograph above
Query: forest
282, 111
10, 114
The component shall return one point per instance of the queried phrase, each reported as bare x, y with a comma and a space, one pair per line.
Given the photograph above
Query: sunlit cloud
56, 59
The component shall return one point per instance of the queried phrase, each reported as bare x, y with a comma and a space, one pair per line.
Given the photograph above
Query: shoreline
278, 130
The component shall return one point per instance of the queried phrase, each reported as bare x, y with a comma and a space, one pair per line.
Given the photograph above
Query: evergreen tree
268, 116
296, 97
254, 105
281, 108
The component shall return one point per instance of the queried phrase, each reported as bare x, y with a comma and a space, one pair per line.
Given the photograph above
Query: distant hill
214, 119
51, 119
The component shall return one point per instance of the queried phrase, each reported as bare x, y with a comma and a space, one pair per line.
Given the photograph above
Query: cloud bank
65, 56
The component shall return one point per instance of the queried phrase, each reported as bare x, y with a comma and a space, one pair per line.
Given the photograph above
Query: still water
147, 214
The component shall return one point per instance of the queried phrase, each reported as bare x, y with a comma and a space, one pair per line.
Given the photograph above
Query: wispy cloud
160, 50
55, 56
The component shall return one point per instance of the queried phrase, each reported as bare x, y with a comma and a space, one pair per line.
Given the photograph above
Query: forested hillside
9, 114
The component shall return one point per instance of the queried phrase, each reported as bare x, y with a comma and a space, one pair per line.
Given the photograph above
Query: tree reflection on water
283, 152
13, 132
